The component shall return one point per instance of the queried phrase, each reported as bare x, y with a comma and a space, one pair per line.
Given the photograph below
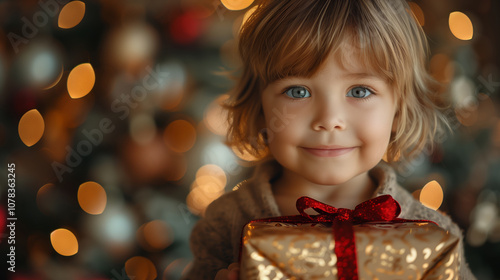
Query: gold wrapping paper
385, 251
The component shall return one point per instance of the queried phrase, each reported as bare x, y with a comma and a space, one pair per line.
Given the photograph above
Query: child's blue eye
359, 92
297, 92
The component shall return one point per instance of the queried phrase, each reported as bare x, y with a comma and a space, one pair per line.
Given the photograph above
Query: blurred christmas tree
111, 113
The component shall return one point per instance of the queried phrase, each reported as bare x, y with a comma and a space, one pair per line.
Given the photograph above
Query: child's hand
231, 273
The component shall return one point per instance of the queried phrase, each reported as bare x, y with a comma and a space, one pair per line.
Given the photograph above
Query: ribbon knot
344, 215
380, 209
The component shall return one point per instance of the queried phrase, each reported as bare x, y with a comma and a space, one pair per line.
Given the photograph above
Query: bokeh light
52, 200
146, 163
431, 195
209, 185
31, 127
56, 80
236, 5
484, 218
43, 193
461, 26
135, 193
417, 12
176, 269
244, 154
114, 229
142, 128
71, 14
115, 226
212, 170
81, 80
462, 92
39, 65
180, 136
132, 46
155, 236
92, 198
172, 88
140, 268
216, 116
64, 242
46, 68
200, 197
188, 26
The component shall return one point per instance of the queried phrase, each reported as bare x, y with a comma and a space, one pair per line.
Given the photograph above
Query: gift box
345, 244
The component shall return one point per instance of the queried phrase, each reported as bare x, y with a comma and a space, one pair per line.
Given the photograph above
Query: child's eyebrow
347, 76
363, 75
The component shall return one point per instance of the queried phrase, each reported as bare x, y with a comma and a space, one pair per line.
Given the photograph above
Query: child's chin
330, 181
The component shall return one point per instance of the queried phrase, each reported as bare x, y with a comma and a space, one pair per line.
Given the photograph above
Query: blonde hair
293, 38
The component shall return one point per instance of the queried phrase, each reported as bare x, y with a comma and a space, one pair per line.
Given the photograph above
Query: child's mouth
333, 151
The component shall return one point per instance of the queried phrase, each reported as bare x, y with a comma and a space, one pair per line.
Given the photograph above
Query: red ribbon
380, 209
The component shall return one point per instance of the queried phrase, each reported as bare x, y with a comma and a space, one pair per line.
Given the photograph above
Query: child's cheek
281, 117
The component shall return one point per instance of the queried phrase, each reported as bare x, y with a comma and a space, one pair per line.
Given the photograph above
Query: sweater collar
383, 175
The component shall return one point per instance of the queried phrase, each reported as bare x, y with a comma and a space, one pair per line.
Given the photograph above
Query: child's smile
339, 125
328, 151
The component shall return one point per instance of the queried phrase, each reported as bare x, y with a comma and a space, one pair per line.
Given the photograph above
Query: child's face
333, 126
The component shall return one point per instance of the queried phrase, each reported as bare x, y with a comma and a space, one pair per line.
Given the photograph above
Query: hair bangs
297, 47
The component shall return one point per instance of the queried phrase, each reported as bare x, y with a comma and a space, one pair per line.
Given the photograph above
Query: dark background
148, 162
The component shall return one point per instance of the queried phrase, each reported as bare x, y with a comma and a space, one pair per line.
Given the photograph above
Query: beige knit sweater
215, 239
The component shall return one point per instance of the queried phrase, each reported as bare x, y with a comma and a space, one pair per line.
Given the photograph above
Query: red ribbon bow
380, 209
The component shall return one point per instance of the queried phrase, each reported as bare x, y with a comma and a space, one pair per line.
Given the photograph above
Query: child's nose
329, 116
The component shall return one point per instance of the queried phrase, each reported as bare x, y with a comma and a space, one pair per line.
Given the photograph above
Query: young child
328, 87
